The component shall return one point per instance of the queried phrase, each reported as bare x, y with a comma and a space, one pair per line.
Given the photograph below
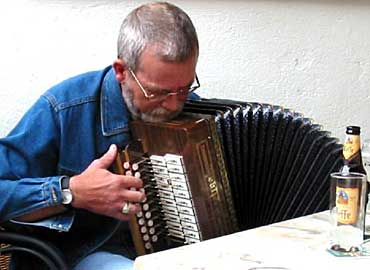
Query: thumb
108, 158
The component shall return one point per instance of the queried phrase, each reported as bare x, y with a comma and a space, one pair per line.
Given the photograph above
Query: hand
98, 190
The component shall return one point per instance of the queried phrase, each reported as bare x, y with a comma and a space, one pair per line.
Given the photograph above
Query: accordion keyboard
168, 211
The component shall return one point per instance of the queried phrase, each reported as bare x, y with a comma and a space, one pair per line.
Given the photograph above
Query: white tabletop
295, 244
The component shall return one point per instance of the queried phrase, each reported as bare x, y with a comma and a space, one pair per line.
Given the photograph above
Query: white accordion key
166, 195
166, 202
176, 233
181, 193
179, 185
177, 177
183, 202
192, 234
170, 210
160, 170
173, 225
157, 160
187, 218
174, 159
189, 226
185, 210
175, 169
190, 240
172, 218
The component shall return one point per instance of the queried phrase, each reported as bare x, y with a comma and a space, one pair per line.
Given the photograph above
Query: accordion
223, 166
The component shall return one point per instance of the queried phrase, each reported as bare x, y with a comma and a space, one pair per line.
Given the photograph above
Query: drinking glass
347, 210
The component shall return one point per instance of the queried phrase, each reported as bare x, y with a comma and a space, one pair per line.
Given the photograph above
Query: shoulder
76, 90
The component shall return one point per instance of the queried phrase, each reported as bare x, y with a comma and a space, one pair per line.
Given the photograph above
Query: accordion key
188, 197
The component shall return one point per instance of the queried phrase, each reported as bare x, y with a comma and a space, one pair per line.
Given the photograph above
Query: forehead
155, 72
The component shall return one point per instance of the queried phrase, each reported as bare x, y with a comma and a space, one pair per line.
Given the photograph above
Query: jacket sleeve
29, 177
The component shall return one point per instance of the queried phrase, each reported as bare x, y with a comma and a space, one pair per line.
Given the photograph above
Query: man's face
155, 76
157, 114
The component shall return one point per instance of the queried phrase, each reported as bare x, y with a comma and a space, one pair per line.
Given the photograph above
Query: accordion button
154, 238
148, 245
143, 230
146, 237
135, 166
145, 207
141, 221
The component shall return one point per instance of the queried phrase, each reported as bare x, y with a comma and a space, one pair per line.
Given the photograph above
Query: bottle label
347, 204
351, 146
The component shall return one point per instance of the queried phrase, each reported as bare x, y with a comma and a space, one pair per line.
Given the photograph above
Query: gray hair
162, 26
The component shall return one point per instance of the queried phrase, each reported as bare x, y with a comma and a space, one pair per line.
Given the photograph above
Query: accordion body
224, 166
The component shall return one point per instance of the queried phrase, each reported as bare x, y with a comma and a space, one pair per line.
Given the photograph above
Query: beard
154, 116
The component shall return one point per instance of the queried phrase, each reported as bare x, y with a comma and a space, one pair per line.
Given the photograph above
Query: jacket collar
114, 114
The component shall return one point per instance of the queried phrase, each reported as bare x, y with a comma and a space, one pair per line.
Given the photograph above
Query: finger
131, 182
108, 158
134, 196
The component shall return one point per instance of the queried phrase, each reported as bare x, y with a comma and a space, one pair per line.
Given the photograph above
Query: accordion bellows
231, 166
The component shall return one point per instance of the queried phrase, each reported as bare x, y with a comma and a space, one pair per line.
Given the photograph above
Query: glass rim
351, 175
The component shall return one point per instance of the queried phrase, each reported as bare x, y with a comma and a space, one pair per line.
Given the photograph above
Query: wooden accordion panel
185, 181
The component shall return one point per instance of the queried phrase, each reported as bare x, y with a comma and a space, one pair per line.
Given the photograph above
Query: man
55, 177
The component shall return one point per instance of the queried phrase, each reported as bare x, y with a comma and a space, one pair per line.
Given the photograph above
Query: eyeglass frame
164, 96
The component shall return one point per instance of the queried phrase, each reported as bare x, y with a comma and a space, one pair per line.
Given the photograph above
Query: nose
172, 103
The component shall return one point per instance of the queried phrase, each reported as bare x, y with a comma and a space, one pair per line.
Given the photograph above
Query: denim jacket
68, 127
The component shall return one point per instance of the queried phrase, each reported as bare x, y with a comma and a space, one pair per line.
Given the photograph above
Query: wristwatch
67, 196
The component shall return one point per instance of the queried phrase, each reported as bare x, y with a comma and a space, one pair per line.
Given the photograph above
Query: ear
120, 69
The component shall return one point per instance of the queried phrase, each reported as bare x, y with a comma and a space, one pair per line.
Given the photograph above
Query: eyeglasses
162, 94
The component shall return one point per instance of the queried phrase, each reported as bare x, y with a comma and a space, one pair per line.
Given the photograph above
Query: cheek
182, 99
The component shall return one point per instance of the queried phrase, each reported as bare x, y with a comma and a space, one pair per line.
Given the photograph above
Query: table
295, 244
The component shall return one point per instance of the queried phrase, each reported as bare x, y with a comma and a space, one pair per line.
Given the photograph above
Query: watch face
67, 196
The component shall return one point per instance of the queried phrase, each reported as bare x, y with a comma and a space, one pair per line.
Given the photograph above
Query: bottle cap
353, 130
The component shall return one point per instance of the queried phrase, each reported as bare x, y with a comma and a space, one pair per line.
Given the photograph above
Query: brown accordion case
224, 166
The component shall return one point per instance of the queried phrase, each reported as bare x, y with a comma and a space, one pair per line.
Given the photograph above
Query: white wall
310, 56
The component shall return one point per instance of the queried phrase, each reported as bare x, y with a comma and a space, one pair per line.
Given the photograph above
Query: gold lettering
213, 188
